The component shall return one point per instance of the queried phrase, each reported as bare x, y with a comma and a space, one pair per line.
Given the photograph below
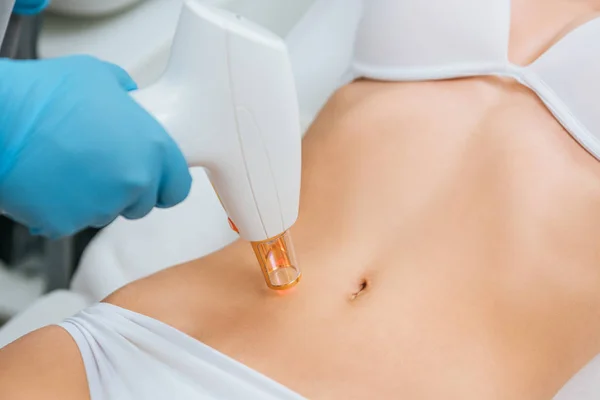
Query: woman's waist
431, 313
434, 305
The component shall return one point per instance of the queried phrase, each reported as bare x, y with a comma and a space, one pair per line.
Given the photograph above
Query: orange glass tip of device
278, 261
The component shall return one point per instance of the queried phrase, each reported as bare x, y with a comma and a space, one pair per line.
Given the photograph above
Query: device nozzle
278, 261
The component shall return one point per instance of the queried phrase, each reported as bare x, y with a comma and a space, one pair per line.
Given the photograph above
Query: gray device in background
6, 7
20, 38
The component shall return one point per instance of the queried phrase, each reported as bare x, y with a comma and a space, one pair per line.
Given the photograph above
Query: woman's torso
463, 207
447, 237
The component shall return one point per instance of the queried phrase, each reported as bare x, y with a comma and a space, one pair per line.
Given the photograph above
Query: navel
362, 287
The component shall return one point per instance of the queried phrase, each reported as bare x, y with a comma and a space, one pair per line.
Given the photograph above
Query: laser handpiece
228, 99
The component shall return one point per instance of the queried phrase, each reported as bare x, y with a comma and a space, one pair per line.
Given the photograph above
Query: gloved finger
101, 222
142, 207
176, 180
124, 79
51, 233
30, 7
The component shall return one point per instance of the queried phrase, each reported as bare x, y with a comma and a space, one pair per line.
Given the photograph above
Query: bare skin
448, 240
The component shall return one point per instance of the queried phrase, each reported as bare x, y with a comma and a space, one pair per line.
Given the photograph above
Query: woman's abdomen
417, 223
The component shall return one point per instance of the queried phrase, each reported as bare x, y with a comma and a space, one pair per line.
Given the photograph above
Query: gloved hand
76, 150
30, 7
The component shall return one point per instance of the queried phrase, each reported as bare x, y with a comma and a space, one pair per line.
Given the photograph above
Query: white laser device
228, 99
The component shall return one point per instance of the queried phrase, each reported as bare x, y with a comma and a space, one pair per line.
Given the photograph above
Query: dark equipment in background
20, 41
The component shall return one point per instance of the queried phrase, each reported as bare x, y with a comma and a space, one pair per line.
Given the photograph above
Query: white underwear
130, 356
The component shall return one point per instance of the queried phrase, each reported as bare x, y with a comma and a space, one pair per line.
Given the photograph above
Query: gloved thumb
125, 81
30, 7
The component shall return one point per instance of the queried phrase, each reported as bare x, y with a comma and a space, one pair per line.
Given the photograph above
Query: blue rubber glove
76, 150
30, 7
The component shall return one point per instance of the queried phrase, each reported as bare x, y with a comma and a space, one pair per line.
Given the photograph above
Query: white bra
409, 40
